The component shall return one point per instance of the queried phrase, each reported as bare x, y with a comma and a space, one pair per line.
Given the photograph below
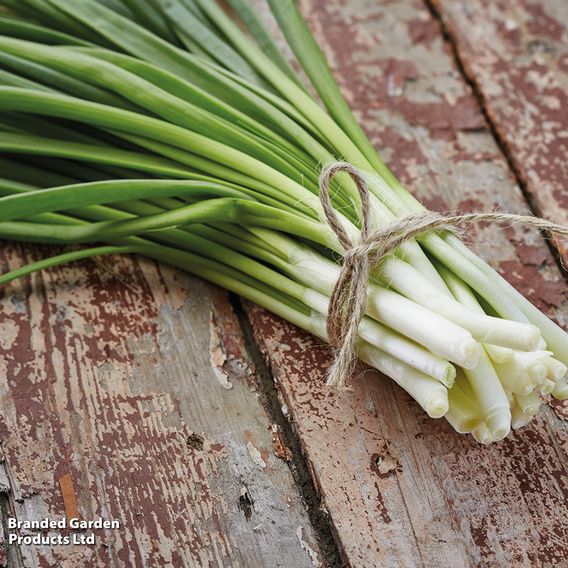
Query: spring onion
179, 132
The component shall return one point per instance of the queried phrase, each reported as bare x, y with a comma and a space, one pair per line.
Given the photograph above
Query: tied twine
348, 299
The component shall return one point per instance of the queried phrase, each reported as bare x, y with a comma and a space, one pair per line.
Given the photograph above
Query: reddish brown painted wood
102, 390
402, 489
126, 393
516, 52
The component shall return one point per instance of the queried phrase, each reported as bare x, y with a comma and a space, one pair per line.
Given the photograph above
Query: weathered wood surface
126, 392
111, 392
401, 489
516, 52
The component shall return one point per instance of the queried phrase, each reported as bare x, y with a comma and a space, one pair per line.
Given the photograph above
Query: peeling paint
217, 356
109, 407
255, 455
384, 463
311, 552
281, 450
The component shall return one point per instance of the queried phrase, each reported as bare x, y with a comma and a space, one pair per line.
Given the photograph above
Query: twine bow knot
348, 300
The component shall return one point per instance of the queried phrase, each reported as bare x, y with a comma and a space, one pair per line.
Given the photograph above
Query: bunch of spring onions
178, 130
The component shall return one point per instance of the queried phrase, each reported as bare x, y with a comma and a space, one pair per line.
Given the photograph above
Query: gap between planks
270, 399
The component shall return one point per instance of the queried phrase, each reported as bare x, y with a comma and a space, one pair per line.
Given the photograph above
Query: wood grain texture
516, 53
402, 489
126, 392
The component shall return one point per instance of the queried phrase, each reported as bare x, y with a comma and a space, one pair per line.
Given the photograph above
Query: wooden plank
402, 489
516, 53
126, 392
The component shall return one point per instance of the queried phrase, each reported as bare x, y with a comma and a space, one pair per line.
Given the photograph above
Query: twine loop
348, 300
